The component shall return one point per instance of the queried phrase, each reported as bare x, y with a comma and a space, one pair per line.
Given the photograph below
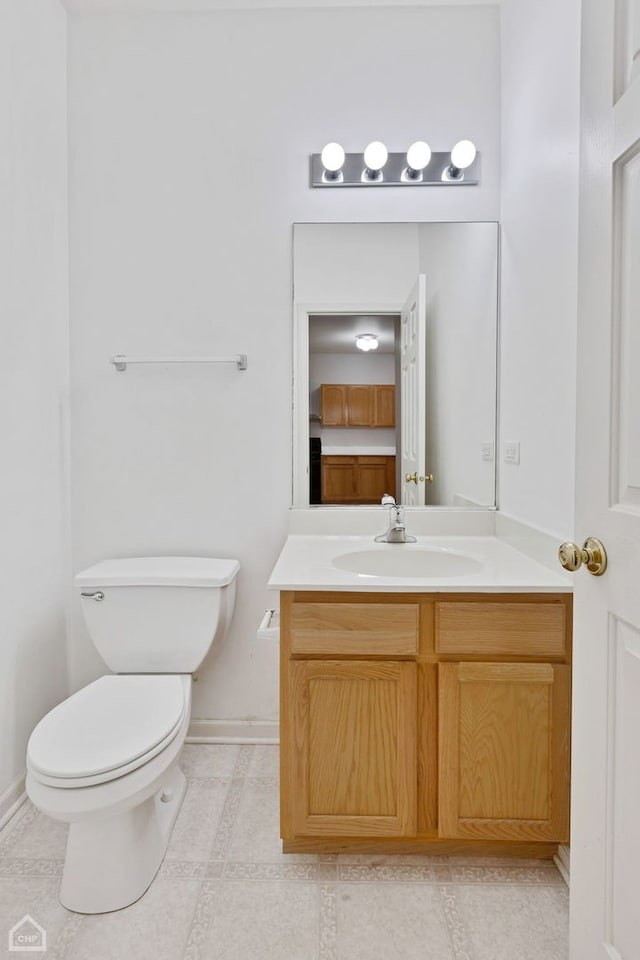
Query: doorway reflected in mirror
352, 408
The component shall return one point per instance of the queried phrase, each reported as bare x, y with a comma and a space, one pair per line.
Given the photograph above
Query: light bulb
463, 154
375, 155
366, 342
332, 157
418, 155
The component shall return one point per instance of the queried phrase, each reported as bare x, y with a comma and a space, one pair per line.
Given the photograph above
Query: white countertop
305, 563
358, 451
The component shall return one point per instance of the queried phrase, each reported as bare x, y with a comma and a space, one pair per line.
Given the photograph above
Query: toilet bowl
106, 759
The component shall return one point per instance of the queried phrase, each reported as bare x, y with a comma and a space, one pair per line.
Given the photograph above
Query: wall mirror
414, 415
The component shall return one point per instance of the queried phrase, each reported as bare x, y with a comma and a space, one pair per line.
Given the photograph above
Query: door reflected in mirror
414, 413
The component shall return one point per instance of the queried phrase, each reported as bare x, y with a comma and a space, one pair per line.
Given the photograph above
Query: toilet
106, 759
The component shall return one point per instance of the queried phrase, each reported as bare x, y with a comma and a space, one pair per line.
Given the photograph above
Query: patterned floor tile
227, 892
256, 834
37, 897
204, 761
156, 926
515, 922
393, 921
198, 821
247, 921
265, 762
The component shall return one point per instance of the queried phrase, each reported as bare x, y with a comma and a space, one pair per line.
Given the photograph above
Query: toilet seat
109, 728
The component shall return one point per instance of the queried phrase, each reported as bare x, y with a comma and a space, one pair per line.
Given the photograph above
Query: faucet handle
388, 501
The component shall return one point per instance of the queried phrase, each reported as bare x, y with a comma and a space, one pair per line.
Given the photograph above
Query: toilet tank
157, 614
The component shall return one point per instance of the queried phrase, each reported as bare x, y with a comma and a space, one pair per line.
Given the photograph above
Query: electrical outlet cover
512, 451
487, 450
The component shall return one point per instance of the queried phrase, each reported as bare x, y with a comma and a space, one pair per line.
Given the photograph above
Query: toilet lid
106, 725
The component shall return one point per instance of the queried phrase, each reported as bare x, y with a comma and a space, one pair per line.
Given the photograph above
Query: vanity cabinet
357, 405
357, 479
438, 721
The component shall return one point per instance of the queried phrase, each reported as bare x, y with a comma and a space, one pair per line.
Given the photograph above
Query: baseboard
12, 799
562, 862
234, 731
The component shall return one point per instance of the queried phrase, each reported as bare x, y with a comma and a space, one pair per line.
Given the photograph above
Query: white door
605, 841
413, 332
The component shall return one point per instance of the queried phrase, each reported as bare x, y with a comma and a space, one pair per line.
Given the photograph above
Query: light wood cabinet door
351, 736
504, 751
357, 479
384, 407
360, 405
376, 476
340, 480
333, 404
357, 405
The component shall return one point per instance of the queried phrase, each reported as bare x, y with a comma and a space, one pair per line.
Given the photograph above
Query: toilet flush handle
97, 595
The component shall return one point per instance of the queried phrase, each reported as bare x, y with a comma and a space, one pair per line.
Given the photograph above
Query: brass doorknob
414, 478
592, 554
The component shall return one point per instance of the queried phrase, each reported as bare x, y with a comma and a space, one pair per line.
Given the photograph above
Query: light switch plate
512, 451
487, 450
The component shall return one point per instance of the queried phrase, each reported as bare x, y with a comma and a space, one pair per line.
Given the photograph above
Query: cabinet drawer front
345, 629
501, 629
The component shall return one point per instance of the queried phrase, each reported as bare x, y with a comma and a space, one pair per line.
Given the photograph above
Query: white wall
356, 367
190, 141
34, 565
366, 263
461, 270
540, 129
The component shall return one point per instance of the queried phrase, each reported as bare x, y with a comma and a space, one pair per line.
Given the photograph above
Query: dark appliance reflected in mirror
315, 470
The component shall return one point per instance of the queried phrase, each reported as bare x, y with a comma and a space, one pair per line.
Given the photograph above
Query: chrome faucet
396, 532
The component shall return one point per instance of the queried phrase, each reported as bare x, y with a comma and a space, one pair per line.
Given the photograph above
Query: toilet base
111, 862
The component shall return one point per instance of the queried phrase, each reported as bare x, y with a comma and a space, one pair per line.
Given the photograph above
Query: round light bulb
463, 154
375, 155
418, 155
366, 342
332, 157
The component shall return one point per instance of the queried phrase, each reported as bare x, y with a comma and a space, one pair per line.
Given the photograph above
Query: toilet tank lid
159, 571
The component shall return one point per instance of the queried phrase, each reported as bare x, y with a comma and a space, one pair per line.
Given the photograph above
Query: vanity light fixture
462, 156
377, 167
366, 342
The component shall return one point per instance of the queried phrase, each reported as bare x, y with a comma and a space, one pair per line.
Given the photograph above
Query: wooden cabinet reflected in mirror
357, 405
356, 479
353, 478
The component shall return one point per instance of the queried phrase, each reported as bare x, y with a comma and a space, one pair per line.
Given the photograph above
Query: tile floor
226, 891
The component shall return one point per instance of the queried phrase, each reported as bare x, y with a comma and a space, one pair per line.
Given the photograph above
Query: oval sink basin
402, 562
